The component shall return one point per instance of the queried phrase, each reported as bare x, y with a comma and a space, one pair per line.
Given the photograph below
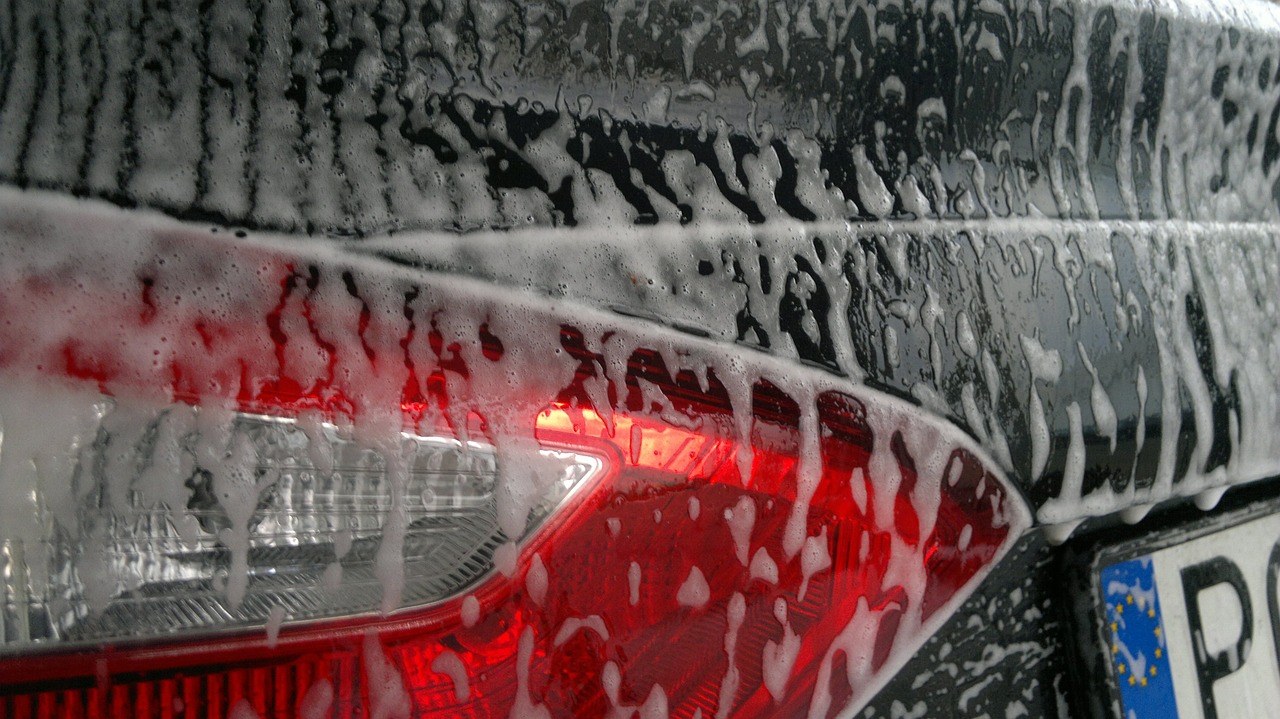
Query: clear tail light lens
309, 544
561, 522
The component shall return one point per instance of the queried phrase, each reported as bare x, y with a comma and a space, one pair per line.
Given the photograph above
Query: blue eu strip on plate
1139, 656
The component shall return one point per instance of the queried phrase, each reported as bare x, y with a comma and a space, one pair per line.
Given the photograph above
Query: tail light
242, 480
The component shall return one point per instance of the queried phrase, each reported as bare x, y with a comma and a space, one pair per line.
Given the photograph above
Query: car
908, 358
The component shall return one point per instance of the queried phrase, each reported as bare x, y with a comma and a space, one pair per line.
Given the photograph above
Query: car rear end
509, 359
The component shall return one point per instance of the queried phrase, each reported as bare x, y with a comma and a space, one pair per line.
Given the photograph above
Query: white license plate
1191, 628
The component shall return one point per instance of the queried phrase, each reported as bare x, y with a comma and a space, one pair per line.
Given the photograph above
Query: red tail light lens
748, 538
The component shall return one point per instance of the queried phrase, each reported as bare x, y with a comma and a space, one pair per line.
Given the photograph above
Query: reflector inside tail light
695, 535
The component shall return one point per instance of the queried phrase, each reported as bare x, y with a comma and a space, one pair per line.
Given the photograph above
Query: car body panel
1045, 108
1050, 223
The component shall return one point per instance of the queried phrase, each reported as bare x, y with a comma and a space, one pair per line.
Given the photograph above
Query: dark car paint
1056, 239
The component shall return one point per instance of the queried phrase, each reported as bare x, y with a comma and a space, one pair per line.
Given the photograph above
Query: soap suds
451, 665
694, 591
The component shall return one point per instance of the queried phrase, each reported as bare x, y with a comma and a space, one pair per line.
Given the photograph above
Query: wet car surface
1050, 225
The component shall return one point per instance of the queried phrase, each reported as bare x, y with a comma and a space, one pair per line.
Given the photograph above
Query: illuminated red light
667, 511
667, 583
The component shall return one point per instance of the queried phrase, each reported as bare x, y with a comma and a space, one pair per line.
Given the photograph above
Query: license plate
1190, 623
